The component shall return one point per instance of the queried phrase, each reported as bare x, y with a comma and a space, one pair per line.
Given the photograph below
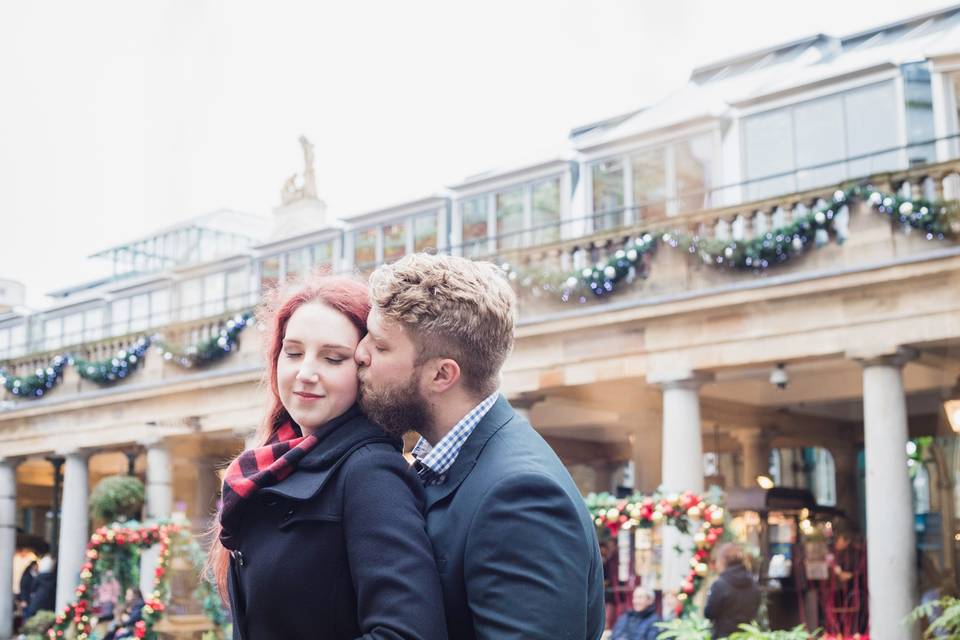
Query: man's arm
527, 562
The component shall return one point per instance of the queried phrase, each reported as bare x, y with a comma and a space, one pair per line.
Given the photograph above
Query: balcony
804, 235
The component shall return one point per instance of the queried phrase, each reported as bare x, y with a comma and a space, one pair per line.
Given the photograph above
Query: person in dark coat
322, 533
735, 597
516, 547
26, 583
641, 622
43, 594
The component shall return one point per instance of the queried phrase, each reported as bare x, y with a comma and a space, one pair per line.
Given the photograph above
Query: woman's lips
307, 396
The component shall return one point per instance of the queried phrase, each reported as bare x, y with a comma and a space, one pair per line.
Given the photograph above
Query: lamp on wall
765, 482
952, 409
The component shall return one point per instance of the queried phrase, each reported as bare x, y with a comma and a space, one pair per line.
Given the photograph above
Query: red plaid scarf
262, 467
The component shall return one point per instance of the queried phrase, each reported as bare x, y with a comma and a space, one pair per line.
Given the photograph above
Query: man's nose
362, 355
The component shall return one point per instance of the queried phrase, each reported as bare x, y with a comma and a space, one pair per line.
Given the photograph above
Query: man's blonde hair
452, 308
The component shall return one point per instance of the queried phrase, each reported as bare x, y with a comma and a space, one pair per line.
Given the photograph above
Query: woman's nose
308, 374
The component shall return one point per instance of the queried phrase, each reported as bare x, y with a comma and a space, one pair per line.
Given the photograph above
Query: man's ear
443, 374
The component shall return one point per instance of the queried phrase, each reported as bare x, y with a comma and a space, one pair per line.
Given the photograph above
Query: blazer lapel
499, 414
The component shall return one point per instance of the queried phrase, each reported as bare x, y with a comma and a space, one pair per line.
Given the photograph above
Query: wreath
688, 512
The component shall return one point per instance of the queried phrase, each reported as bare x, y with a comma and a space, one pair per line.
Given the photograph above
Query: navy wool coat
515, 544
339, 549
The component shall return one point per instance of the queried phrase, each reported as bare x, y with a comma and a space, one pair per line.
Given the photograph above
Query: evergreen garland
111, 370
212, 349
36, 384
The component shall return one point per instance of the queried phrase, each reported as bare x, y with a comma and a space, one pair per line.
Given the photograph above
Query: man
515, 546
641, 622
735, 597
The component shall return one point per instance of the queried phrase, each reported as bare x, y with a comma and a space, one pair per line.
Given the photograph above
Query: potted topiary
117, 499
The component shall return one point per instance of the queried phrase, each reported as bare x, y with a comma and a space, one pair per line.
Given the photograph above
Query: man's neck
447, 412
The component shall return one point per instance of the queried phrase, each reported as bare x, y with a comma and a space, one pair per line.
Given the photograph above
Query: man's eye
379, 348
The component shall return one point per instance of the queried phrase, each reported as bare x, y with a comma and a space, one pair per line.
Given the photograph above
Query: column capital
72, 451
751, 435
890, 357
679, 379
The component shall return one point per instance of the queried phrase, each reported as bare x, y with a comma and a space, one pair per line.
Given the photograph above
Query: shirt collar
439, 458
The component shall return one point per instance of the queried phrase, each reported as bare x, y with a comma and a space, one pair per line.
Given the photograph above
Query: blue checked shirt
432, 463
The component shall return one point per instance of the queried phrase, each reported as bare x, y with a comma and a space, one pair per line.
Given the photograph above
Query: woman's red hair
345, 294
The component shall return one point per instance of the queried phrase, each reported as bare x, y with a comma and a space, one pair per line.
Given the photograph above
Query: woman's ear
442, 375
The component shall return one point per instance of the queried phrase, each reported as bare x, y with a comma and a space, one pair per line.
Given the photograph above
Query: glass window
93, 328
918, 94
238, 289
768, 151
159, 307
323, 254
296, 264
425, 232
191, 299
607, 194
510, 218
365, 249
269, 273
73, 329
52, 334
473, 215
214, 294
871, 119
18, 340
546, 211
650, 183
4, 343
120, 316
693, 159
820, 149
394, 240
140, 312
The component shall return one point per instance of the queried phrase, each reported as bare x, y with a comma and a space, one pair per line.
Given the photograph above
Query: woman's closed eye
334, 360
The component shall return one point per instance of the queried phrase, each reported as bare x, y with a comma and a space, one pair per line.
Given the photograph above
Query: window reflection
650, 183
425, 232
365, 249
607, 194
510, 218
394, 241
546, 211
473, 214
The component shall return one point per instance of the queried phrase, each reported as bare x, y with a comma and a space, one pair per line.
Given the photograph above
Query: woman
321, 530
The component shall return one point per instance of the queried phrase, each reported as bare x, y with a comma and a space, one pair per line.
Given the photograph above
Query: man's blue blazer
515, 545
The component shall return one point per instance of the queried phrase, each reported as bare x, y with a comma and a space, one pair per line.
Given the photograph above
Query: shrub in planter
117, 499
39, 623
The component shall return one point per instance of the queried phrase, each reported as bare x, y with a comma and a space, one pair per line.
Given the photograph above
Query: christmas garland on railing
107, 542
687, 512
37, 384
775, 247
112, 370
210, 350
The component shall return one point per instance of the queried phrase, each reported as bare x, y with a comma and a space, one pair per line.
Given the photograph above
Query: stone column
8, 542
682, 459
891, 565
159, 504
159, 489
754, 455
74, 525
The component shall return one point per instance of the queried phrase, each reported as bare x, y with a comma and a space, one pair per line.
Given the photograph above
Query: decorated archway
688, 512
124, 542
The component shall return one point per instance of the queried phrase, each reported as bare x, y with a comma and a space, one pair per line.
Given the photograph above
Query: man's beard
398, 409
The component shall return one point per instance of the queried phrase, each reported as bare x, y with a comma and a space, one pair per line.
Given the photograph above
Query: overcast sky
120, 117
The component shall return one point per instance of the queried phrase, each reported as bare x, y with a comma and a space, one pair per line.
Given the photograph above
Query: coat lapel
499, 414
